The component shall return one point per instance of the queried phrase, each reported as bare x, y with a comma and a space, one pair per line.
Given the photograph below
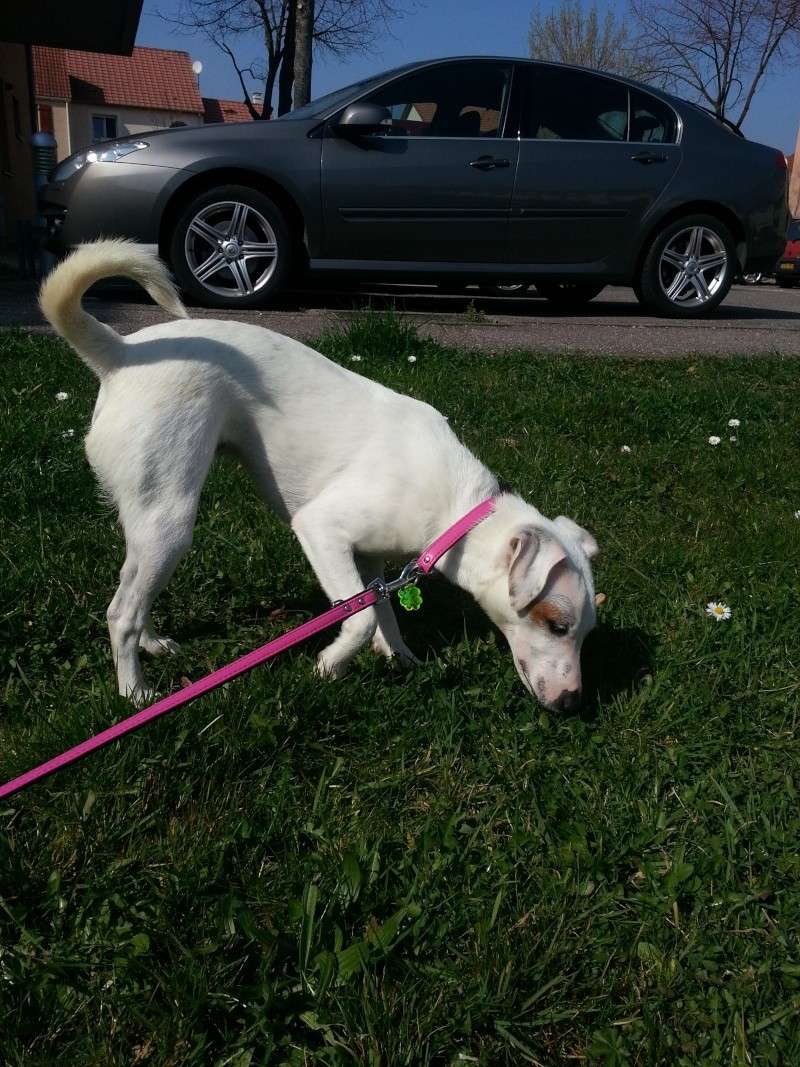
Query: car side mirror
363, 118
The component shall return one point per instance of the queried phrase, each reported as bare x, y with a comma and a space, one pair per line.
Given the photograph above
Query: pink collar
434, 552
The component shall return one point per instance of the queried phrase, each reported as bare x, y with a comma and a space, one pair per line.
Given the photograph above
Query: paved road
754, 320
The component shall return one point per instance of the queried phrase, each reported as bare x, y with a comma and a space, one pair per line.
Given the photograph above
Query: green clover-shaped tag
410, 597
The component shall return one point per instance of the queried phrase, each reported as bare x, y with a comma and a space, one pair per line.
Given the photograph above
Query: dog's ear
577, 533
531, 557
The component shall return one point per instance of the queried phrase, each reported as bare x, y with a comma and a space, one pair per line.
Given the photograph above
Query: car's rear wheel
569, 294
785, 283
689, 267
231, 248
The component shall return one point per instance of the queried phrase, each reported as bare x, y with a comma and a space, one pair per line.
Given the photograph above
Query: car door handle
649, 157
489, 163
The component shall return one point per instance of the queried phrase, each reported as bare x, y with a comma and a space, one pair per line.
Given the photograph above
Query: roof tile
158, 78
225, 110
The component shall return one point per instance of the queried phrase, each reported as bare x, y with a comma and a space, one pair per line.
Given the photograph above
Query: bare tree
571, 33
266, 31
720, 50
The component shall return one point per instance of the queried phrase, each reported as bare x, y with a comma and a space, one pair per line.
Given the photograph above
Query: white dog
361, 473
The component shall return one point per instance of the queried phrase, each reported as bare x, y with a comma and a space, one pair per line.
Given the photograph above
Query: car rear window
794, 231
652, 121
572, 105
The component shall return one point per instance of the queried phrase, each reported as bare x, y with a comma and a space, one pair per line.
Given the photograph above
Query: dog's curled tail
60, 296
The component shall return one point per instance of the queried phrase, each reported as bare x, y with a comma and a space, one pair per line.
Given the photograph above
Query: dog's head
543, 600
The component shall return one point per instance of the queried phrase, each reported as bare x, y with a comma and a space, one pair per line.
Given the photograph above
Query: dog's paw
140, 697
399, 653
328, 668
158, 646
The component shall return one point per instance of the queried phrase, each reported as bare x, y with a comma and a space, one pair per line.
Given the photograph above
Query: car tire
569, 294
785, 283
215, 231
689, 267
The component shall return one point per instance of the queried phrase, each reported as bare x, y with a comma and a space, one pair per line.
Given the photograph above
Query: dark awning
90, 25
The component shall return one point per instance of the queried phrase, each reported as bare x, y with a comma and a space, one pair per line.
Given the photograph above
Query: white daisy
734, 423
68, 433
719, 611
355, 359
625, 448
62, 396
797, 514
412, 359
713, 440
733, 438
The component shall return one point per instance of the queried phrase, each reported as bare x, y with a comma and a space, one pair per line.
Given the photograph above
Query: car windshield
331, 101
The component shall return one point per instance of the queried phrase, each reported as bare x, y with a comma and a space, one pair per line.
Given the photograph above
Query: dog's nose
569, 700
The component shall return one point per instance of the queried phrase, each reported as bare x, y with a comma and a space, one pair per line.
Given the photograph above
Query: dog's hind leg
156, 541
387, 640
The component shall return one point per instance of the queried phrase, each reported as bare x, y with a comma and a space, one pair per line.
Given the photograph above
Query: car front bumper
106, 200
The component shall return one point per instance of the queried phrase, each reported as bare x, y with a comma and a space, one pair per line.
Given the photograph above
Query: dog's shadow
615, 660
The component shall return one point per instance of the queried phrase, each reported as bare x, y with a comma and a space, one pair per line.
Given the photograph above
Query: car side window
652, 121
571, 105
455, 100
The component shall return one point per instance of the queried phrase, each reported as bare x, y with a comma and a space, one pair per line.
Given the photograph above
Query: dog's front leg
387, 640
332, 557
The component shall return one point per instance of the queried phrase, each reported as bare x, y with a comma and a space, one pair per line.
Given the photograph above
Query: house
85, 97
794, 181
93, 24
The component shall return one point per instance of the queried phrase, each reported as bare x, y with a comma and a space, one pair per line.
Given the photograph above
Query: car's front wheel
231, 248
689, 267
569, 294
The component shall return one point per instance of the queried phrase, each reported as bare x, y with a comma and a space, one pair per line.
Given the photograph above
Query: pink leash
377, 590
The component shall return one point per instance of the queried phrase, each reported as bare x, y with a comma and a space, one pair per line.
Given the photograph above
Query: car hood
190, 146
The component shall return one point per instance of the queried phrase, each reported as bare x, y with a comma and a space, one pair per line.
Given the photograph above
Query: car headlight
108, 153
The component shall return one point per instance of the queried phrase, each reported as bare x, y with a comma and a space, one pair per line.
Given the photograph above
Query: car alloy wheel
231, 249
693, 267
687, 267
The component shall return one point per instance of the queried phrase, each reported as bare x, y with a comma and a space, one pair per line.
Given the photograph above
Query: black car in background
464, 170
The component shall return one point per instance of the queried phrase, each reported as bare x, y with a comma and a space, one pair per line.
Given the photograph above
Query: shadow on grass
615, 660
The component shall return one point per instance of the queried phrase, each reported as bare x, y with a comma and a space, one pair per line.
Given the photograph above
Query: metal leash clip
409, 574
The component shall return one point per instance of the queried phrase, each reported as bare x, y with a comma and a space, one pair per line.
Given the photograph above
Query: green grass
425, 868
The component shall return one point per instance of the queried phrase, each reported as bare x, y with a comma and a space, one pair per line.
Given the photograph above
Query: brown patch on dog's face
545, 611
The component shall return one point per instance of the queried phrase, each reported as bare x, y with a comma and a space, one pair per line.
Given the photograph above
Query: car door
435, 185
594, 156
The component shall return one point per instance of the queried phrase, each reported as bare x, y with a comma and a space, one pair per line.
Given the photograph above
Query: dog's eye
558, 628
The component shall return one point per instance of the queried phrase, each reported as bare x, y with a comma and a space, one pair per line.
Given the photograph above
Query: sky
435, 28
